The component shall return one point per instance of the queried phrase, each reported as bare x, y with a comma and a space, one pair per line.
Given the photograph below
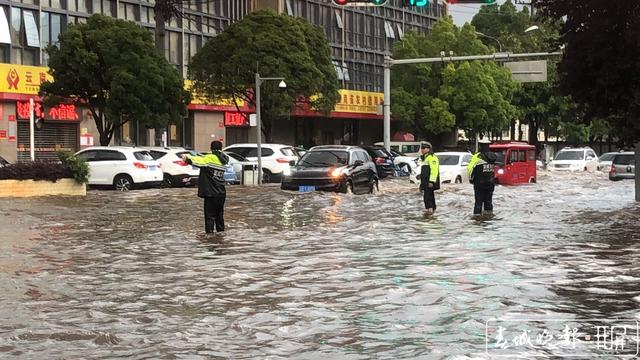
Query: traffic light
486, 2
418, 3
360, 2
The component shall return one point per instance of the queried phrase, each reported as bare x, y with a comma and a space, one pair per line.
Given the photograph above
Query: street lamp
490, 37
259, 81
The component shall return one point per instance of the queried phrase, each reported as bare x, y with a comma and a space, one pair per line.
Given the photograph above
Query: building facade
359, 37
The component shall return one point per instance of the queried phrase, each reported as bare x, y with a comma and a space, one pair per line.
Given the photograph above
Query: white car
405, 164
239, 162
121, 167
275, 158
574, 159
453, 167
605, 160
176, 171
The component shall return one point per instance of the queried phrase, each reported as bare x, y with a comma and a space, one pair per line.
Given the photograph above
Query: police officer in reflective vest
211, 185
481, 175
429, 176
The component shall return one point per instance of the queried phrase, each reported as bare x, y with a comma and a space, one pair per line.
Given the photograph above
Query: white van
409, 148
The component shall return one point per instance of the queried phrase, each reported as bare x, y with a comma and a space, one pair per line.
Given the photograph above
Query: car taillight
379, 160
282, 160
180, 163
139, 165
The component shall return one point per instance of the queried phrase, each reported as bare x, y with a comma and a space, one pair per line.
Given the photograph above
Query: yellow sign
363, 102
21, 79
196, 99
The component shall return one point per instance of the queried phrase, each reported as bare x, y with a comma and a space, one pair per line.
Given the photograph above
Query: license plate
152, 167
304, 189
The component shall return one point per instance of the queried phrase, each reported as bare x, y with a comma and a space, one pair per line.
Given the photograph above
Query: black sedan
383, 160
346, 169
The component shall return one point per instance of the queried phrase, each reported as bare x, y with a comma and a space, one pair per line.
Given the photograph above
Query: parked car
275, 158
340, 168
605, 160
121, 167
3, 162
409, 148
453, 167
176, 172
574, 159
623, 166
405, 164
238, 162
383, 160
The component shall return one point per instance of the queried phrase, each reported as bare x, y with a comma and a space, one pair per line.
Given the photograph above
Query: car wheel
374, 187
585, 168
458, 180
266, 176
123, 182
349, 188
168, 181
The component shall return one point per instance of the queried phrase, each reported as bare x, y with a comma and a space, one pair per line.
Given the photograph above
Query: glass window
71, 5
111, 155
339, 19
31, 29
96, 6
56, 27
607, 157
626, 159
89, 155
325, 158
288, 151
174, 48
82, 6
157, 154
531, 155
45, 29
142, 155
16, 27
109, 8
289, 7
570, 155
449, 159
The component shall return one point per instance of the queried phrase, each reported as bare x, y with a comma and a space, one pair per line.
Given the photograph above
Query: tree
433, 98
275, 46
599, 68
112, 67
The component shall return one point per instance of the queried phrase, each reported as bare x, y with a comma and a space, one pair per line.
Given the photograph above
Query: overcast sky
464, 12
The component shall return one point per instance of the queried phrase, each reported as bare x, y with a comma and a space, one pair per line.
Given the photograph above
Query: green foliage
112, 67
432, 99
275, 46
76, 165
599, 68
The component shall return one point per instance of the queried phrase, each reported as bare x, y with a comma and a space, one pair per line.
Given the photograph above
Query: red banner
235, 119
67, 112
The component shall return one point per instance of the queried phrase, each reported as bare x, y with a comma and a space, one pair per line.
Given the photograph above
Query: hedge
69, 166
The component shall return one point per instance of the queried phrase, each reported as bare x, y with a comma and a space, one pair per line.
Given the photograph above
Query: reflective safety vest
205, 160
211, 178
472, 163
434, 166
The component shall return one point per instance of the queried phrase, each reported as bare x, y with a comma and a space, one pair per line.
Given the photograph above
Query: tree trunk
533, 133
513, 130
104, 138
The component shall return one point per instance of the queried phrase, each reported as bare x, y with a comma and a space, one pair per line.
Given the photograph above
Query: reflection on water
312, 275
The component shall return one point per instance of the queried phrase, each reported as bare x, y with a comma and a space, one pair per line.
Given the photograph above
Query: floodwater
320, 276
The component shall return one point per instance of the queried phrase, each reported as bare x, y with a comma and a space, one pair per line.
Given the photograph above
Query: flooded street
313, 276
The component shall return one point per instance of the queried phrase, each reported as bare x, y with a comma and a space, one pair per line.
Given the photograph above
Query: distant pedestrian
481, 174
211, 185
429, 176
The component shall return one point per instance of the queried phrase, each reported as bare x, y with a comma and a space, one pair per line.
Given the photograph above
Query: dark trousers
214, 213
484, 197
430, 199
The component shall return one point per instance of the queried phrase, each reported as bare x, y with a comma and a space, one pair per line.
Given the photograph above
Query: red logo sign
13, 79
235, 119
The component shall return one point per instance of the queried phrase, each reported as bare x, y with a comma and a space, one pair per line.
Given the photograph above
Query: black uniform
483, 179
211, 187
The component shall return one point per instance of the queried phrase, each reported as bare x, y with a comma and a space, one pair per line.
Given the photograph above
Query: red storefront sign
235, 119
65, 112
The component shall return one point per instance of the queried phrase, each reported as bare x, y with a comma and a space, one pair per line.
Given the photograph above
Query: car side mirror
292, 163
358, 163
465, 163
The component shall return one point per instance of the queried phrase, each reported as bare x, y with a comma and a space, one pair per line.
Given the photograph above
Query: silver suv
623, 166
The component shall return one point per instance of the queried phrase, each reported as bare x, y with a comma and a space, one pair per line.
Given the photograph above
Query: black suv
333, 168
382, 158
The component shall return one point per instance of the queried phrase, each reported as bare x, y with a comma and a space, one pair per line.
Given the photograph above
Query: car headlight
286, 171
500, 171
